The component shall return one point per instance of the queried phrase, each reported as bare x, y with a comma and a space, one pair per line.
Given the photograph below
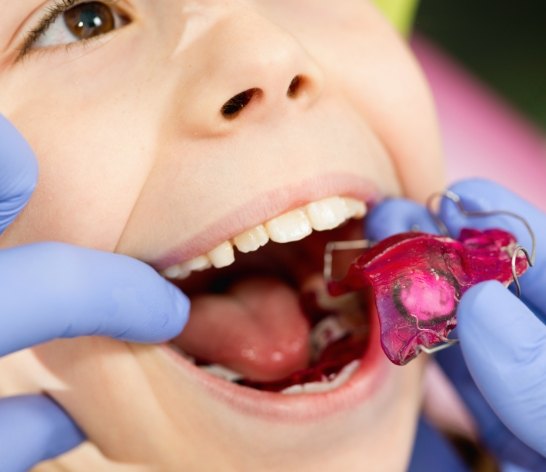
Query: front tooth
291, 226
252, 240
356, 208
173, 272
328, 213
222, 256
199, 263
181, 271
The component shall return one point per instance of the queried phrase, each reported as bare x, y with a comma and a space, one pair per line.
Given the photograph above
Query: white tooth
199, 263
293, 390
328, 213
222, 256
346, 373
222, 372
252, 240
181, 271
316, 387
326, 385
338, 381
326, 332
357, 209
172, 272
291, 226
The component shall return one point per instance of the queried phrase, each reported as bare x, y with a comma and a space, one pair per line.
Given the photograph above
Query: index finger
484, 195
18, 173
53, 290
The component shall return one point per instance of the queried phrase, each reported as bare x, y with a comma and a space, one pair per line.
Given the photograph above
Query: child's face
136, 157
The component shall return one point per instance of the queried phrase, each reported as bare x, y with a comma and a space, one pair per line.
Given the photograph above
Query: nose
245, 69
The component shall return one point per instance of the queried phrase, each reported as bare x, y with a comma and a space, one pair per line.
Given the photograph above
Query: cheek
92, 137
393, 94
93, 158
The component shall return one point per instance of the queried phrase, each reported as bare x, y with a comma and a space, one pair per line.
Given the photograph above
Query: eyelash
51, 15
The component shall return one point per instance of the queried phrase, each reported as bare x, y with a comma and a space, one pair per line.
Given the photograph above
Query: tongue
257, 329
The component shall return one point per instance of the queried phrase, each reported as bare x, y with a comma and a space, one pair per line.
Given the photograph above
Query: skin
136, 158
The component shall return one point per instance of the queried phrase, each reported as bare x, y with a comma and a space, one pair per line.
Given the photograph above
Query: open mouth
261, 316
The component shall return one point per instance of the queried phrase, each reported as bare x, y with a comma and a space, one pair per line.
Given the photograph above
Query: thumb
18, 173
504, 346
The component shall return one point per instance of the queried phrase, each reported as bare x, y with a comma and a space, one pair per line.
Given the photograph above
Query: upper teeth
291, 226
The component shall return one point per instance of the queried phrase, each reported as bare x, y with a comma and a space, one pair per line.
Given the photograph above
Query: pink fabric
482, 135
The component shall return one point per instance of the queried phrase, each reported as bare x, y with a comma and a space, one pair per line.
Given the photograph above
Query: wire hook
341, 246
456, 199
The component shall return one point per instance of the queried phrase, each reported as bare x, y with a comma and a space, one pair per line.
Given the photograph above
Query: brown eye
83, 21
88, 20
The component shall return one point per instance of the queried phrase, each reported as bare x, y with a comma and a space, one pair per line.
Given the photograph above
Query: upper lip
263, 208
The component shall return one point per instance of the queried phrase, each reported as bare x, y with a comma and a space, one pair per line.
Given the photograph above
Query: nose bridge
249, 67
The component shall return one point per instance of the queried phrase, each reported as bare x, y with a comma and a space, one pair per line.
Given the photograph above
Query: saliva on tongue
417, 280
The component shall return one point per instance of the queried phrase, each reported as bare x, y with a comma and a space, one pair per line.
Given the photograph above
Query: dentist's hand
52, 290
500, 367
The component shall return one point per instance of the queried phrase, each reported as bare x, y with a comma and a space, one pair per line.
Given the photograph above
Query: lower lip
366, 383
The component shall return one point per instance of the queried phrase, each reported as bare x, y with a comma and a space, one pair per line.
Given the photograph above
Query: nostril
295, 86
235, 104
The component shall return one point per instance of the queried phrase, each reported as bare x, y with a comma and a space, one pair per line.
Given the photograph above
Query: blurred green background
503, 43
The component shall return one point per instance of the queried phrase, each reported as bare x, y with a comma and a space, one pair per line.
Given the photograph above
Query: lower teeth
327, 384
223, 372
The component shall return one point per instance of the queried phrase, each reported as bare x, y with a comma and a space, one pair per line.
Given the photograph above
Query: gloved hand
54, 290
500, 367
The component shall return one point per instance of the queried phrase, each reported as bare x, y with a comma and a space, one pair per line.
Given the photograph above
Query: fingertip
66, 433
18, 173
163, 309
477, 192
480, 195
485, 196
34, 428
474, 195
181, 310
397, 215
17, 160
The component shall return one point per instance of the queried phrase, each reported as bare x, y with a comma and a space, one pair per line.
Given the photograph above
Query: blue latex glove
53, 290
500, 367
